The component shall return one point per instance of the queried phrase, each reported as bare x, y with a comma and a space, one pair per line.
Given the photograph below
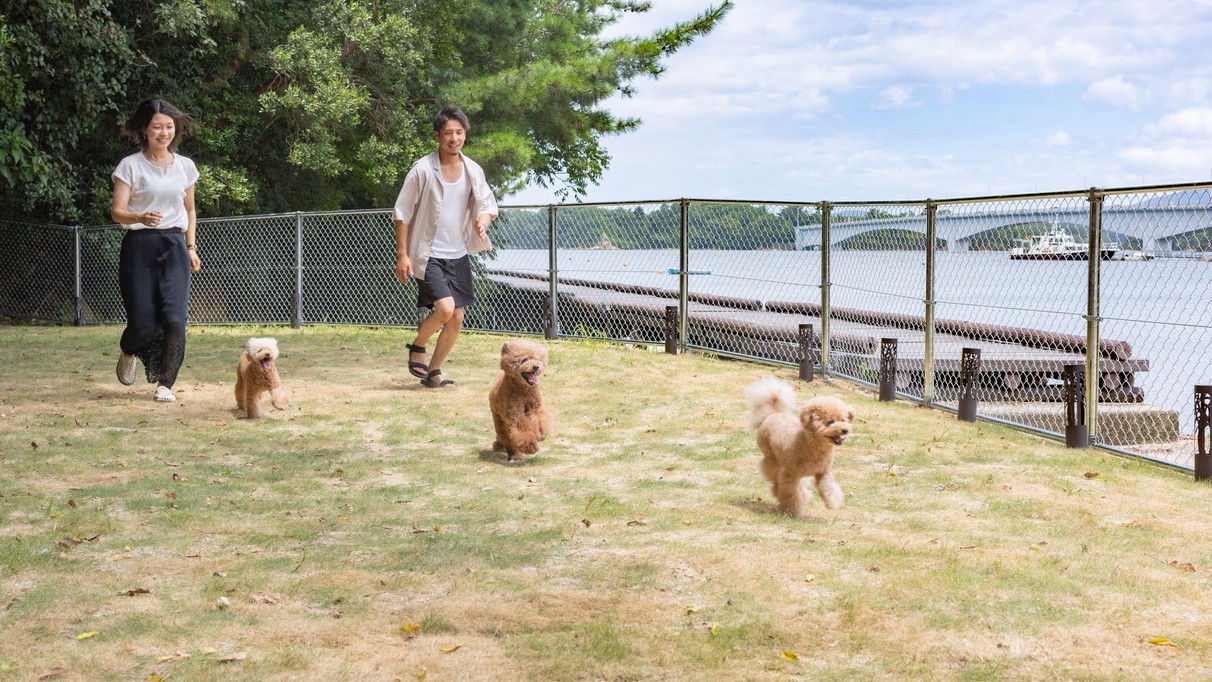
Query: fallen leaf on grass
587, 522
691, 609
411, 627
1162, 641
421, 675
86, 635
232, 658
451, 649
790, 656
637, 521
714, 629
810, 577
266, 598
68, 543
1092, 474
52, 672
1185, 566
137, 590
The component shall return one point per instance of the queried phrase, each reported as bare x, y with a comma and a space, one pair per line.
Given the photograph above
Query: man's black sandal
434, 380
419, 370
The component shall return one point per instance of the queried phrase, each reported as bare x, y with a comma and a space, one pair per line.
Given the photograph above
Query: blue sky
791, 100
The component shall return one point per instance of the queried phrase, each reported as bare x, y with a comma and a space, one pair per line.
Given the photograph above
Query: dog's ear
850, 415
811, 414
505, 348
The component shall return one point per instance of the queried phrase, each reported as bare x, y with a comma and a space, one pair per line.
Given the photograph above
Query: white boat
1058, 244
1134, 255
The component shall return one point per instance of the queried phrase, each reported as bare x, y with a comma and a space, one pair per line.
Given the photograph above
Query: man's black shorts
446, 278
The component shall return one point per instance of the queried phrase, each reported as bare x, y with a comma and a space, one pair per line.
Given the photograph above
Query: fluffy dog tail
768, 396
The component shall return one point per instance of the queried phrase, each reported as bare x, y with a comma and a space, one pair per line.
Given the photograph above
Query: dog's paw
496, 445
528, 447
279, 398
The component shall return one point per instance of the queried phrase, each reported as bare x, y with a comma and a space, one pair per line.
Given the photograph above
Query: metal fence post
296, 315
825, 211
928, 324
1093, 311
684, 274
806, 352
671, 329
1076, 433
1203, 432
79, 321
887, 369
553, 272
970, 375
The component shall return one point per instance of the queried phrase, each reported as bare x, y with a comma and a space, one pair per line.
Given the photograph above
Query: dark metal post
806, 352
1093, 312
1203, 432
887, 370
296, 313
970, 376
79, 321
683, 278
928, 327
549, 332
671, 329
1076, 433
553, 277
826, 209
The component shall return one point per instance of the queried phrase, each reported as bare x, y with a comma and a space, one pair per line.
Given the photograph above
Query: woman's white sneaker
126, 369
164, 394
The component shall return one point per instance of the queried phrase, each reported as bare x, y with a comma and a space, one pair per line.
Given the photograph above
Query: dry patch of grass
368, 532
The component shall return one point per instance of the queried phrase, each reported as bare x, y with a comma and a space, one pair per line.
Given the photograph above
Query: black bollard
806, 352
970, 376
887, 370
549, 331
671, 329
1203, 431
1076, 433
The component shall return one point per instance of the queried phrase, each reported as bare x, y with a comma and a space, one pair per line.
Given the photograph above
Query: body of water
1162, 307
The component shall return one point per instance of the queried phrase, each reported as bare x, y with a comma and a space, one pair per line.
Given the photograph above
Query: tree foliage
724, 226
313, 105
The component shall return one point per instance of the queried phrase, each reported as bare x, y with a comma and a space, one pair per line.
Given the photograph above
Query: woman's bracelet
192, 247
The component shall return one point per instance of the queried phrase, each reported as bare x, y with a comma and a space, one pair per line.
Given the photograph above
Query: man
442, 217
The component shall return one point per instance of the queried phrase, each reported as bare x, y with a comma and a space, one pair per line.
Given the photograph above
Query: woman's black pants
154, 276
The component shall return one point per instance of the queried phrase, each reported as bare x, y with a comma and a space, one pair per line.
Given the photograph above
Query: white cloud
896, 97
1178, 145
1193, 124
867, 99
1114, 92
1058, 139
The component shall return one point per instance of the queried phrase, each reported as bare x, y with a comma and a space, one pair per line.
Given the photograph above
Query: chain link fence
874, 292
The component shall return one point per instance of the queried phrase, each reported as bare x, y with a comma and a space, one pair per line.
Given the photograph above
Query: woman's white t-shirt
156, 189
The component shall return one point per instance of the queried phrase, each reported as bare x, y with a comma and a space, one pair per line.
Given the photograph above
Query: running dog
518, 414
797, 444
256, 374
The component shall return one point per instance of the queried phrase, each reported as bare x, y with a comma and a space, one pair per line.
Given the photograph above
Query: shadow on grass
767, 508
498, 457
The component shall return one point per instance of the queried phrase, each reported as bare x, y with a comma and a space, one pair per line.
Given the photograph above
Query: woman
154, 200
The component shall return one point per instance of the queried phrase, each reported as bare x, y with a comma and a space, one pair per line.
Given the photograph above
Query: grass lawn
368, 533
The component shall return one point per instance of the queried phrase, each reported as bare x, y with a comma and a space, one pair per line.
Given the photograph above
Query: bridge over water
1158, 227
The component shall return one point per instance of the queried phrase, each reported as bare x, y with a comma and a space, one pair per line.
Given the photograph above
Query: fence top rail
1077, 193
27, 223
818, 205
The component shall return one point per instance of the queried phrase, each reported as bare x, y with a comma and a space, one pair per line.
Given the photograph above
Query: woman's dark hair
446, 114
138, 122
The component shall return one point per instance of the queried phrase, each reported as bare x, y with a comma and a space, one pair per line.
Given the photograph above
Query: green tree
313, 105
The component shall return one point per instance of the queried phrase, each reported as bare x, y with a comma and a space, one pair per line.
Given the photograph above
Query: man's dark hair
446, 114
147, 109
